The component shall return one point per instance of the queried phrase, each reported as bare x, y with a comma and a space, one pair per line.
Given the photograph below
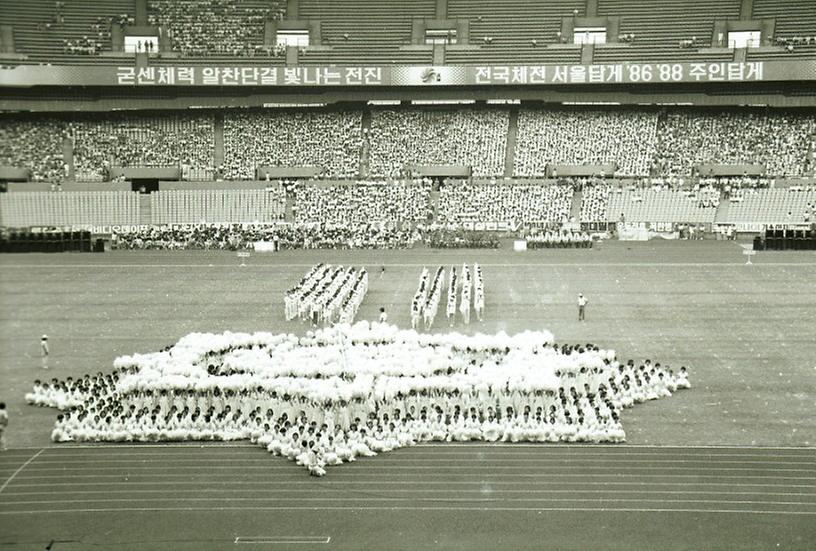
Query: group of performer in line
327, 294
464, 287
350, 391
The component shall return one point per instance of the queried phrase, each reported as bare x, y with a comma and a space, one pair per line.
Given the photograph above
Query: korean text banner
378, 76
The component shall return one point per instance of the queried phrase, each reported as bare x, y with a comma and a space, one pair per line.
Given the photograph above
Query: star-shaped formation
351, 391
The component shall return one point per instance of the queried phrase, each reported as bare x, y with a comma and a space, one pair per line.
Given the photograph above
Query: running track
467, 496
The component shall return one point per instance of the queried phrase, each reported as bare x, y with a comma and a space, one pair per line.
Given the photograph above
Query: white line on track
271, 266
379, 483
446, 446
135, 466
298, 491
162, 463
18, 471
408, 508
441, 499
426, 475
405, 454
398, 458
289, 540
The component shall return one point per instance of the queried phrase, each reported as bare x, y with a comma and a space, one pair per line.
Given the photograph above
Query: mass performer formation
347, 391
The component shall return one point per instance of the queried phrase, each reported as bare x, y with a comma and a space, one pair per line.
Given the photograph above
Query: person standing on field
44, 351
582, 302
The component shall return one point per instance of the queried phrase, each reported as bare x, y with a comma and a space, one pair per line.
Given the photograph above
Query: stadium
407, 274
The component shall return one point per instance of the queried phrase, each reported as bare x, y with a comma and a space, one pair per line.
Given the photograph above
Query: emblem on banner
431, 75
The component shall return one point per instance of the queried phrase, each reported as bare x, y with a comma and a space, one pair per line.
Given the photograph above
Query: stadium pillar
441, 9
591, 8
218, 152
587, 53
746, 9
7, 39
141, 12
292, 9
438, 54
512, 139
291, 56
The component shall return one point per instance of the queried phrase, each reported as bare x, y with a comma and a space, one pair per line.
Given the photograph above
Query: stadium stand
779, 140
43, 208
34, 143
793, 17
363, 203
76, 32
137, 140
462, 137
772, 206
667, 22
658, 29
328, 139
639, 53
235, 206
232, 28
366, 31
664, 205
804, 51
585, 137
594, 203
504, 202
519, 31
640, 141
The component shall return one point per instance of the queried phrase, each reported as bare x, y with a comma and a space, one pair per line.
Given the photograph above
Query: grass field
747, 334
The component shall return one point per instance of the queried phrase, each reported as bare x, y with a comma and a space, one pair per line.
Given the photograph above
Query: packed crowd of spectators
624, 138
779, 140
451, 137
500, 202
128, 140
35, 144
238, 237
330, 140
214, 27
784, 142
363, 202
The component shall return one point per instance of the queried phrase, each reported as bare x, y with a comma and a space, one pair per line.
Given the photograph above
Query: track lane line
19, 470
445, 500
406, 508
204, 469
309, 483
221, 492
537, 461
